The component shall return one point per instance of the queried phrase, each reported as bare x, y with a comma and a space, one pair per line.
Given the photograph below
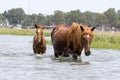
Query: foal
39, 42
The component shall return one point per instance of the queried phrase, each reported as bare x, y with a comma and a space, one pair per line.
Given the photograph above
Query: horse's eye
84, 34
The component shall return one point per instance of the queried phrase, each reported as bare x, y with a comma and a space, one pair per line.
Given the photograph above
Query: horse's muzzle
87, 53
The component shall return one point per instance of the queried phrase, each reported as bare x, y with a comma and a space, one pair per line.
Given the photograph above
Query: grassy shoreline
104, 40
28, 32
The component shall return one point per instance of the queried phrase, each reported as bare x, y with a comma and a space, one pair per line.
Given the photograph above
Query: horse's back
59, 32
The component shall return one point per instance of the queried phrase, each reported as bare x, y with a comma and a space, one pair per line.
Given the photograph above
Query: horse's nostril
87, 53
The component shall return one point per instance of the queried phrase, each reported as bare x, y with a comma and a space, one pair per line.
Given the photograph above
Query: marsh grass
29, 32
108, 40
49, 42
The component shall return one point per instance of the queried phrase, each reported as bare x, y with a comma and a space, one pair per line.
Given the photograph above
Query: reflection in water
17, 62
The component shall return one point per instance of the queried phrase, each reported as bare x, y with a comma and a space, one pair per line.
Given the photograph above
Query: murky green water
17, 62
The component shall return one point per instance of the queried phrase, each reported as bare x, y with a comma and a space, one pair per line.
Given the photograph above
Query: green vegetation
107, 40
109, 18
29, 32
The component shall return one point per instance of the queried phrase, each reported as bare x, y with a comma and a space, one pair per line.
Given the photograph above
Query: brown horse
39, 42
74, 38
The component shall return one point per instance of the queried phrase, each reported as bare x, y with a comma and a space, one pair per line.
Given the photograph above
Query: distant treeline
109, 18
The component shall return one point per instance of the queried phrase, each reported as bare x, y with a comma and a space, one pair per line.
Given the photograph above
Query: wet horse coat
39, 42
73, 38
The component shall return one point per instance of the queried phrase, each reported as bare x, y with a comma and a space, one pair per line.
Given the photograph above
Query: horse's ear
93, 29
81, 27
35, 26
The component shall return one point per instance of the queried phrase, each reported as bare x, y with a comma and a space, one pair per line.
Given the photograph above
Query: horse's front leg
79, 54
75, 54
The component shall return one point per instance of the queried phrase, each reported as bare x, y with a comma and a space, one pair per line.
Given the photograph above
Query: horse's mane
76, 33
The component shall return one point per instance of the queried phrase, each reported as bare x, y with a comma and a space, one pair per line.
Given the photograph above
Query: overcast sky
48, 7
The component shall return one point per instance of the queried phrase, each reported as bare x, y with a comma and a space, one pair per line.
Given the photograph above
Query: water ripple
17, 62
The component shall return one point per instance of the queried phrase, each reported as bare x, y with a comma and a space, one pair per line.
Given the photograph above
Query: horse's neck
78, 36
82, 42
42, 37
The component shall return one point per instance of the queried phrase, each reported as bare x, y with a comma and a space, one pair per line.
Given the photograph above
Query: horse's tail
52, 33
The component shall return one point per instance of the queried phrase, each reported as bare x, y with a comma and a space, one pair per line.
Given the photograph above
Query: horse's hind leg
56, 54
34, 50
66, 53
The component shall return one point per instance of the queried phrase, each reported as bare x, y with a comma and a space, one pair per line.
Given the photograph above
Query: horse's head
39, 32
86, 39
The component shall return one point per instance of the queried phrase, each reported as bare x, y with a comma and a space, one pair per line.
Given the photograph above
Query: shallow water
17, 62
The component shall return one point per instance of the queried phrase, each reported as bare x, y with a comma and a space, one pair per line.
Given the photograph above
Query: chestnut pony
39, 42
72, 39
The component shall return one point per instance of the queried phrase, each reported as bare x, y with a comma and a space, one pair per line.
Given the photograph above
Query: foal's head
39, 32
86, 39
